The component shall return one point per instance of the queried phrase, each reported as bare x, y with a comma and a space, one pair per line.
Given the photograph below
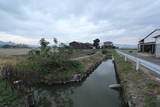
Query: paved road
145, 56
150, 65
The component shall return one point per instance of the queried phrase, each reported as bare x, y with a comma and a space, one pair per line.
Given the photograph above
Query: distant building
151, 43
108, 44
79, 45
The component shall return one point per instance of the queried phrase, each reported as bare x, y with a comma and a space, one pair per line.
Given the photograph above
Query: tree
55, 41
44, 47
96, 43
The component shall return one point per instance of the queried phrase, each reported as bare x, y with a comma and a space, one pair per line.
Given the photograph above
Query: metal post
125, 58
137, 65
112, 58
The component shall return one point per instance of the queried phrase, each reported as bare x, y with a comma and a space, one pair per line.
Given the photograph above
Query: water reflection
53, 96
92, 92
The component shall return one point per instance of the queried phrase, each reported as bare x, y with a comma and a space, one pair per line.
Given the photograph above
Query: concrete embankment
122, 91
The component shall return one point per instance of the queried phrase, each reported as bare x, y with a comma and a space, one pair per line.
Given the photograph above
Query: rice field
13, 52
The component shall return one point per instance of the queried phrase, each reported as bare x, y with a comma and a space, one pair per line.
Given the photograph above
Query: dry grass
13, 52
7, 56
8, 61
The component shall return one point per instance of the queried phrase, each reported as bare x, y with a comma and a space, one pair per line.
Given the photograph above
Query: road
150, 65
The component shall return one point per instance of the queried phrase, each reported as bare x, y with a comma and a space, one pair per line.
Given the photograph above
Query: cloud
120, 21
16, 38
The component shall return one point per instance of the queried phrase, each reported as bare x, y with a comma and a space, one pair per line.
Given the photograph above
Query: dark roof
156, 36
148, 43
150, 34
108, 42
80, 45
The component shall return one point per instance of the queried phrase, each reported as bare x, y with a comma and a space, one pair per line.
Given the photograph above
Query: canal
92, 92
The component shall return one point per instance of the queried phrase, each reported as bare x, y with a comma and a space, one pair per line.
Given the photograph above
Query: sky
119, 21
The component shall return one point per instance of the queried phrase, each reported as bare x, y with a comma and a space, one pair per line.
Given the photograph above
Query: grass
136, 84
45, 66
152, 85
91, 60
11, 98
83, 64
71, 68
30, 70
150, 102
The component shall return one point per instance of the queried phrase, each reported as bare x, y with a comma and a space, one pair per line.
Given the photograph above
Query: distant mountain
7, 43
15, 45
125, 46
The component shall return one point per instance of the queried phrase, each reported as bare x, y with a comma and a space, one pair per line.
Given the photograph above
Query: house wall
158, 40
158, 47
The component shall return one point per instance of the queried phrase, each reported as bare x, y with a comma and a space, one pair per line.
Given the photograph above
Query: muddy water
92, 92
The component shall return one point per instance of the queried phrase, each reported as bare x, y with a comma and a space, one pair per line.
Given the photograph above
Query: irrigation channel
92, 92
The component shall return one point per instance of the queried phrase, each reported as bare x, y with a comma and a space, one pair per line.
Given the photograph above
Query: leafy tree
96, 43
55, 41
44, 47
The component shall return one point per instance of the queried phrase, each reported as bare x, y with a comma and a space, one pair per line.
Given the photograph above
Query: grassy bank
139, 89
52, 69
91, 60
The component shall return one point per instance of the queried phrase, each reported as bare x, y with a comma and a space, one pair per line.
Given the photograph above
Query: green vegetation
104, 51
90, 61
152, 84
149, 101
137, 85
108, 53
96, 43
45, 63
7, 96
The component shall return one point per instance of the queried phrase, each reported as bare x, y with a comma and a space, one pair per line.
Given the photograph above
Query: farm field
13, 52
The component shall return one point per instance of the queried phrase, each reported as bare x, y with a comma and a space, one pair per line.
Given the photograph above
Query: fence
152, 66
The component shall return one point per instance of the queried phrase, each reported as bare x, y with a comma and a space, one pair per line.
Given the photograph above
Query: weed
150, 102
152, 85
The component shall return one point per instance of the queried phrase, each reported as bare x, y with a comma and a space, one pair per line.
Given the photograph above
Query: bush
104, 51
30, 70
34, 52
43, 62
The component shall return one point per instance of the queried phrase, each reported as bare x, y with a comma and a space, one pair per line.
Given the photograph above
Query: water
92, 92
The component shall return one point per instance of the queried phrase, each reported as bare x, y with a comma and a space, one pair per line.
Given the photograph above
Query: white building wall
158, 47
158, 40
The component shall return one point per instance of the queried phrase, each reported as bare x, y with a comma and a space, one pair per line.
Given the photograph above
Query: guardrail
152, 66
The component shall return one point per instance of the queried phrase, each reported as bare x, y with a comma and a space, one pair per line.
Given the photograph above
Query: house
151, 43
157, 52
79, 45
107, 44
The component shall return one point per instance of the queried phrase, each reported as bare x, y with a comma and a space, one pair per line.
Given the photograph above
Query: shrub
104, 51
43, 62
45, 66
33, 53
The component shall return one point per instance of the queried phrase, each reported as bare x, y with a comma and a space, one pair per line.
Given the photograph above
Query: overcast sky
120, 21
